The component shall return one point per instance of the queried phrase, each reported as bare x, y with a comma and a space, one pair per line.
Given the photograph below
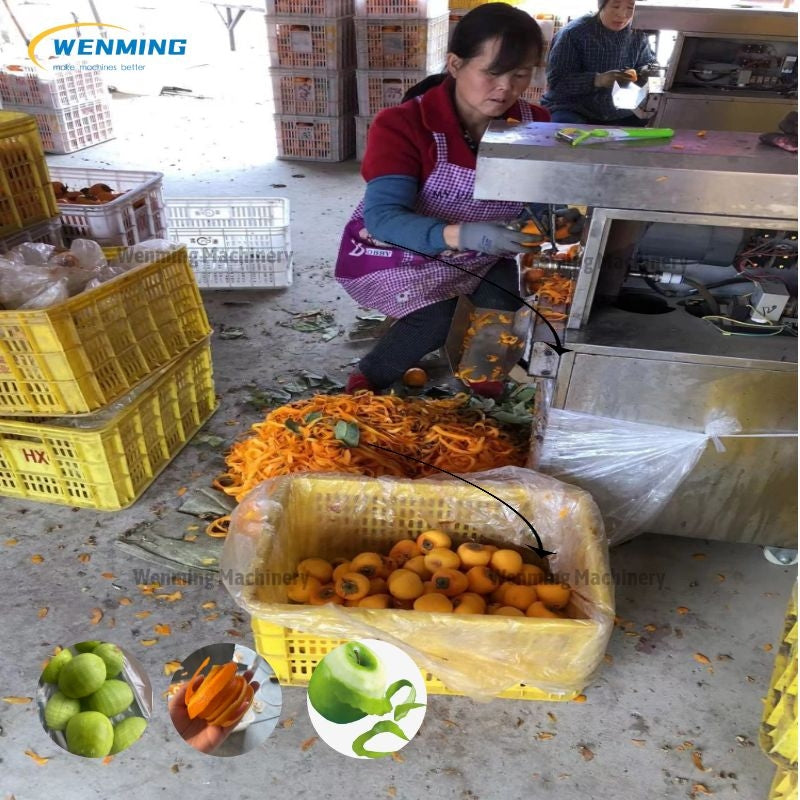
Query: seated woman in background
419, 166
587, 57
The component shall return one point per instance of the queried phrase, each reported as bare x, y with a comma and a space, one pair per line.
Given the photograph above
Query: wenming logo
74, 46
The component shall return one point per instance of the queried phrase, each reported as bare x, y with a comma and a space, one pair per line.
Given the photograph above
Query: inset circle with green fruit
94, 699
367, 699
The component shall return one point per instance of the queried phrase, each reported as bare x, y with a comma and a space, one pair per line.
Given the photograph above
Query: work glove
493, 238
606, 80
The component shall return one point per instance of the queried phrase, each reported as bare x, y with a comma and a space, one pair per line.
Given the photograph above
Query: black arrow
558, 347
539, 550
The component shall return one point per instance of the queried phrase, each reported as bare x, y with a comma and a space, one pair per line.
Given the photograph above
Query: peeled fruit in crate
430, 539
427, 575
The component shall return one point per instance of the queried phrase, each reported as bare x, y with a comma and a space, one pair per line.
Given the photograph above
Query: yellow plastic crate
778, 732
337, 515
80, 355
26, 196
293, 655
106, 460
784, 786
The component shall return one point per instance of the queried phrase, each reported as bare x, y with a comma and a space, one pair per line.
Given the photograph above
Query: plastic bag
630, 469
56, 291
628, 97
21, 282
287, 519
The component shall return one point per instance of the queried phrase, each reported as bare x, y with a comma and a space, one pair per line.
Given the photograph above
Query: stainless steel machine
731, 68
654, 330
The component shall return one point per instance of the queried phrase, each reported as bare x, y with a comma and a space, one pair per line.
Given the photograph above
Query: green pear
348, 684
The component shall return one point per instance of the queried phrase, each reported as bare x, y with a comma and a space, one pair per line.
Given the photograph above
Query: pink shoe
357, 382
493, 389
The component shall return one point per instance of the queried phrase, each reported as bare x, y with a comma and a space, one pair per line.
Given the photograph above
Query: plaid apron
398, 282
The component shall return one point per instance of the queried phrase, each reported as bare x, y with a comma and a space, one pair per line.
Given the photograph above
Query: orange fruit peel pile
218, 697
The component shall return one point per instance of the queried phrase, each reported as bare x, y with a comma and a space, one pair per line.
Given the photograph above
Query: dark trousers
425, 330
573, 117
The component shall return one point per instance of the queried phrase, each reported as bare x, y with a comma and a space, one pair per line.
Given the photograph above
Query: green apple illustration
348, 684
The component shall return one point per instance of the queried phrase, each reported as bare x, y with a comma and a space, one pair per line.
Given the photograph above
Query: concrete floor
648, 709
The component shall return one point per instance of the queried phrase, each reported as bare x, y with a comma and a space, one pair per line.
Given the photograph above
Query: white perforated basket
234, 243
420, 9
378, 89
134, 217
315, 138
397, 43
310, 8
27, 85
362, 127
310, 43
65, 130
315, 93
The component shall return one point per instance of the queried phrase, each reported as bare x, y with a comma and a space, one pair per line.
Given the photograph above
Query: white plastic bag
631, 469
627, 98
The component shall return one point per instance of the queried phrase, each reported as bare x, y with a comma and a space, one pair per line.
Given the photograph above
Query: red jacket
400, 141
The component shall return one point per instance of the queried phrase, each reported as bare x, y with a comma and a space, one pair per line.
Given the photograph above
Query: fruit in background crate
94, 195
348, 684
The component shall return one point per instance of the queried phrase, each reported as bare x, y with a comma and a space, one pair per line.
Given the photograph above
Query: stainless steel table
671, 369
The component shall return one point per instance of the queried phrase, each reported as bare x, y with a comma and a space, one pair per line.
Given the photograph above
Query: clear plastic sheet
287, 519
35, 275
630, 469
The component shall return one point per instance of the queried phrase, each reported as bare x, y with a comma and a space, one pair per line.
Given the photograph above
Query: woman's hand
492, 238
606, 80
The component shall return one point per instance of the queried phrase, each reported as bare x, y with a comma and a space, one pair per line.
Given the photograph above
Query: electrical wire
774, 330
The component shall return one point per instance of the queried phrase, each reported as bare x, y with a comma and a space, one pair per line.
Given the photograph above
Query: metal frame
597, 238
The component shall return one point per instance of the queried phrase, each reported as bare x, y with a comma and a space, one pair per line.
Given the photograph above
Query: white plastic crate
418, 44
362, 127
136, 216
65, 130
47, 232
315, 93
315, 138
310, 8
234, 243
310, 43
27, 85
378, 89
421, 9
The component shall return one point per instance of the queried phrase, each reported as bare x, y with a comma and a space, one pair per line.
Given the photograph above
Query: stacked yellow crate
778, 732
98, 392
27, 202
312, 56
398, 43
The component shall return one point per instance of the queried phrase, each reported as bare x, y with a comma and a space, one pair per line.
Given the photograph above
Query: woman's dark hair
519, 34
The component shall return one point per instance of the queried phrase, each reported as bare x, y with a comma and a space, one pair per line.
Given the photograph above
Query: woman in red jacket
420, 171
